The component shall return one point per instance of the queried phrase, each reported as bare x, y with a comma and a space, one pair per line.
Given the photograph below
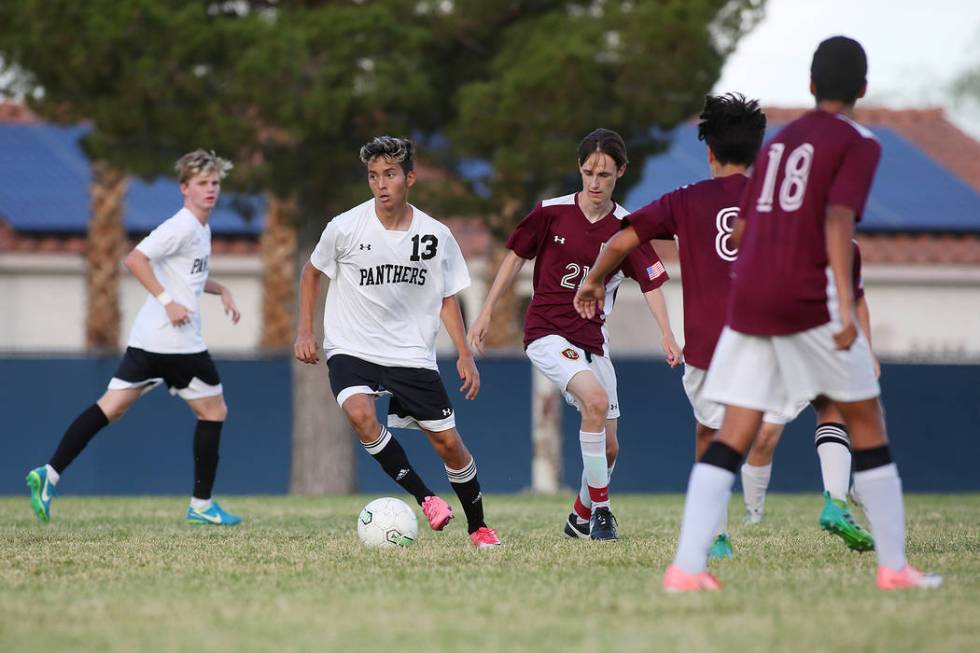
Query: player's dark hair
399, 150
839, 70
733, 127
603, 141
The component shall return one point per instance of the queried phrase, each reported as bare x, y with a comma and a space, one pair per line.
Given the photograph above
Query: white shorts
711, 413
778, 373
560, 360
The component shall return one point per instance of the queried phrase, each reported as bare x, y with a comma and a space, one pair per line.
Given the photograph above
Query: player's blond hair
201, 162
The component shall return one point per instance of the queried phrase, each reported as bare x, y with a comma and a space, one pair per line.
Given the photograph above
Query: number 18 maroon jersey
781, 276
565, 245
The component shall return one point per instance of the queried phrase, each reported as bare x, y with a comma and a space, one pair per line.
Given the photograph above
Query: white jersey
178, 251
387, 287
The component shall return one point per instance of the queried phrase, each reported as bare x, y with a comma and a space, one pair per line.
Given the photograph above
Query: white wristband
164, 298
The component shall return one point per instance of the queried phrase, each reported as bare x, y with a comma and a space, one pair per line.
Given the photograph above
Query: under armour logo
613, 406
401, 474
560, 239
367, 247
447, 412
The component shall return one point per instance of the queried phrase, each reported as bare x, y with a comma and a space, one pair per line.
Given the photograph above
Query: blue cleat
41, 493
722, 548
213, 516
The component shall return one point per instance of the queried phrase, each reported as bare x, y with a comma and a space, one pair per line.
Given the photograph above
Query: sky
916, 49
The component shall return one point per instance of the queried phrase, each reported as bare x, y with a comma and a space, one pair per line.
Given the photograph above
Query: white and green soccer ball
387, 522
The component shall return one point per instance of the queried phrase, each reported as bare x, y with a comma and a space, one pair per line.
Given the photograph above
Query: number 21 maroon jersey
781, 279
565, 245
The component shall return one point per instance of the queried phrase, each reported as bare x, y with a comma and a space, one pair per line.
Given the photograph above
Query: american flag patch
655, 270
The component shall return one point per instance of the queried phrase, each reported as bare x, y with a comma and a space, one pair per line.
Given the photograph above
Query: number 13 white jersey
387, 287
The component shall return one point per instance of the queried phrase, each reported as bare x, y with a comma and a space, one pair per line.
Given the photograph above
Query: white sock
833, 449
880, 489
200, 504
755, 484
53, 476
708, 490
594, 463
583, 490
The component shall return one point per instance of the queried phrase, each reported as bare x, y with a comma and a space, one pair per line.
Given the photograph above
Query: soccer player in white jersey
165, 344
395, 273
564, 235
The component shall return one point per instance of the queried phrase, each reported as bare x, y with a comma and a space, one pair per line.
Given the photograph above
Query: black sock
207, 437
394, 461
467, 488
91, 421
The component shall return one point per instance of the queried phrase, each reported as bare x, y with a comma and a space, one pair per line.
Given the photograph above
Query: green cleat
722, 548
41, 493
836, 519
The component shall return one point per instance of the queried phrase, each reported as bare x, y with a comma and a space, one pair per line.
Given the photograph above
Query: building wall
928, 313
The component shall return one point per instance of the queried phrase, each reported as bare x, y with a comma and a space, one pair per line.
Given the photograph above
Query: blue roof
911, 192
44, 187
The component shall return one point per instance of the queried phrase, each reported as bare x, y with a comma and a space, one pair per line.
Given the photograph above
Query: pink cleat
437, 512
677, 580
908, 576
484, 538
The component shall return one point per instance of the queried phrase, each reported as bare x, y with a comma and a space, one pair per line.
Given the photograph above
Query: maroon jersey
781, 276
565, 245
701, 217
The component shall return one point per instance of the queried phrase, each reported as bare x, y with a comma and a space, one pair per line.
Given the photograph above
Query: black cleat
603, 524
576, 530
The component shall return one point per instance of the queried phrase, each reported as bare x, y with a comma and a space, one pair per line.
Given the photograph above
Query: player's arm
305, 348
592, 292
735, 240
139, 264
864, 319
839, 231
509, 268
452, 318
215, 288
658, 308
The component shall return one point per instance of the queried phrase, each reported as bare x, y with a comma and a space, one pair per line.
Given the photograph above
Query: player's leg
757, 470
834, 450
578, 523
722, 545
877, 481
461, 471
133, 377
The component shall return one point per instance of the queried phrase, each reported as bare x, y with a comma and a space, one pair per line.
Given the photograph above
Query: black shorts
191, 376
418, 398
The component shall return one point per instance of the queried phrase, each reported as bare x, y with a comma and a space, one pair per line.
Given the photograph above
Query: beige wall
927, 313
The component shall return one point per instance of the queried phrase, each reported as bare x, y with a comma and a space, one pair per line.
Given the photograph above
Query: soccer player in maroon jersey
790, 333
564, 235
833, 445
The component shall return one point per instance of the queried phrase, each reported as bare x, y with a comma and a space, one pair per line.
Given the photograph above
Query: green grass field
125, 574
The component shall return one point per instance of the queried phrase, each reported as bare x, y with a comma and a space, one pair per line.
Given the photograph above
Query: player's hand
230, 308
589, 298
478, 331
466, 366
178, 314
674, 353
305, 349
844, 338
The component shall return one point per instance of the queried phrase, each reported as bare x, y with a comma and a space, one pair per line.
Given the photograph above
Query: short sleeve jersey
781, 275
701, 217
387, 287
564, 246
178, 250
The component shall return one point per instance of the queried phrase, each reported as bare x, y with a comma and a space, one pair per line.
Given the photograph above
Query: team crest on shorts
570, 354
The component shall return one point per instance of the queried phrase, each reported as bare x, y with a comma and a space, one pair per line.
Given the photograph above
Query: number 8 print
725, 222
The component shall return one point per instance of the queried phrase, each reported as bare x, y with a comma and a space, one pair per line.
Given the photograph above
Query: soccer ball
387, 522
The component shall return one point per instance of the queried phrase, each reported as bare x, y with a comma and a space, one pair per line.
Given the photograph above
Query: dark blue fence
933, 416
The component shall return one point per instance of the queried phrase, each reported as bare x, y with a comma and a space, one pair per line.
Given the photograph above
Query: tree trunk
278, 274
507, 323
323, 442
105, 247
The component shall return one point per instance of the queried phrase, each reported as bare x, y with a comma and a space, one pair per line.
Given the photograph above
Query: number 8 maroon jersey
781, 277
565, 245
